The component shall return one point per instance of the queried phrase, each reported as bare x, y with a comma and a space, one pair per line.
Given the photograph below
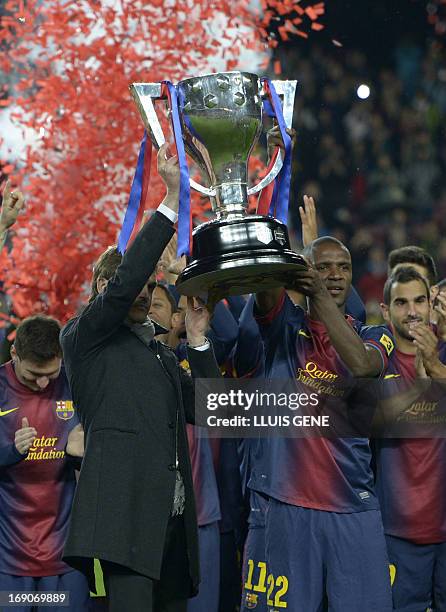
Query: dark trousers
230, 573
128, 590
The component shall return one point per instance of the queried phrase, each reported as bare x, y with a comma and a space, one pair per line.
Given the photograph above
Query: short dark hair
413, 255
37, 339
105, 267
405, 274
308, 250
169, 295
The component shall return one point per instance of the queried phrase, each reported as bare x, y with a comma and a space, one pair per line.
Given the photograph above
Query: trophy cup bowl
221, 118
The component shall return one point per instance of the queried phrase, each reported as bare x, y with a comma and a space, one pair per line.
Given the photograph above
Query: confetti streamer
72, 64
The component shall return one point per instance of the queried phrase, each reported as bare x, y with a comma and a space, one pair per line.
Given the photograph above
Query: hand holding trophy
217, 119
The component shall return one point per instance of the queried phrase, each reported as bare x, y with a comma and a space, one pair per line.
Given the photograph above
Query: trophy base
239, 256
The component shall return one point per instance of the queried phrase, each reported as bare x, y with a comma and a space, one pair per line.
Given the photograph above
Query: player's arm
12, 204
17, 451
236, 304
249, 352
109, 309
362, 360
223, 332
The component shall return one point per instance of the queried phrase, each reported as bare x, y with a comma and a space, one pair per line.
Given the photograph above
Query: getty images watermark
256, 402
368, 408
259, 408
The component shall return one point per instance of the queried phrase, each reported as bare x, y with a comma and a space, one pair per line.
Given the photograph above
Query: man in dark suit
134, 507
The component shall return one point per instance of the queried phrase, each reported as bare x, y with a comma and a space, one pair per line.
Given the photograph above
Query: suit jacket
132, 401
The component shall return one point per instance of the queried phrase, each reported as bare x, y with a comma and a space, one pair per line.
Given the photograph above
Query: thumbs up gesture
13, 202
24, 437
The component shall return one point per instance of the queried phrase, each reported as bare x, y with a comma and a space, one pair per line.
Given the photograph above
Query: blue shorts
257, 512
254, 573
318, 559
419, 572
209, 593
74, 582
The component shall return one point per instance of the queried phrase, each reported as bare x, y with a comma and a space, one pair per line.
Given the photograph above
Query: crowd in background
374, 166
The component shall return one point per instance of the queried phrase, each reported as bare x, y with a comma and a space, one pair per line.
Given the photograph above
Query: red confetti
284, 11
74, 95
277, 67
282, 32
312, 14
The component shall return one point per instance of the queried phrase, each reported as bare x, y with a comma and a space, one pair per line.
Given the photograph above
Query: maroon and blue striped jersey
203, 469
411, 472
315, 472
203, 474
36, 490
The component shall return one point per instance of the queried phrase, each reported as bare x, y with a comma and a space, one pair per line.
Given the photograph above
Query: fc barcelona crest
65, 409
251, 600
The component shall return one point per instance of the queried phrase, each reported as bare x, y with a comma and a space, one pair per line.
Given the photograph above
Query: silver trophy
221, 118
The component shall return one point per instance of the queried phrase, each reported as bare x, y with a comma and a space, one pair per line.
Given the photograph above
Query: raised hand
274, 139
197, 322
177, 266
13, 202
426, 342
309, 282
169, 264
169, 170
24, 437
309, 220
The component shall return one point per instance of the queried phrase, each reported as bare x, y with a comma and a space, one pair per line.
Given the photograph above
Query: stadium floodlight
363, 91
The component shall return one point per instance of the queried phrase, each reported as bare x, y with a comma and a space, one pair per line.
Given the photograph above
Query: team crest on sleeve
387, 343
64, 409
251, 601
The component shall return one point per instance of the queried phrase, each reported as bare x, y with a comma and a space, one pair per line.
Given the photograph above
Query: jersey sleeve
248, 356
223, 332
236, 304
9, 455
355, 306
381, 339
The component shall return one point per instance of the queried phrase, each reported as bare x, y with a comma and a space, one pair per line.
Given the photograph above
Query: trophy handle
144, 94
287, 89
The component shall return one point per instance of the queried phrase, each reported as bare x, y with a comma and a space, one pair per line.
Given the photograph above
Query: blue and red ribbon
184, 210
137, 198
280, 199
138, 192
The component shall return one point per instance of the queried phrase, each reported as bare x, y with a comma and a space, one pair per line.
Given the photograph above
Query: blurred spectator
374, 165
